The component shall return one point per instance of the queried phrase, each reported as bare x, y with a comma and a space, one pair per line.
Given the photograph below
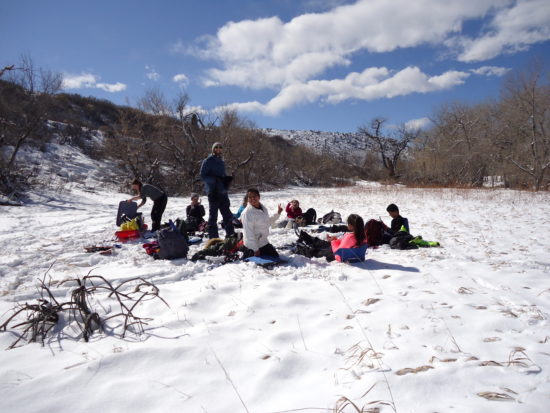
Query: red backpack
374, 230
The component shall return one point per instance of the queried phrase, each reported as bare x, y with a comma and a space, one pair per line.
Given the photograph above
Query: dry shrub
35, 321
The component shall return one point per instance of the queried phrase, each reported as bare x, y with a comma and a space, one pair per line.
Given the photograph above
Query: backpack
331, 218
311, 247
402, 241
172, 244
310, 216
374, 231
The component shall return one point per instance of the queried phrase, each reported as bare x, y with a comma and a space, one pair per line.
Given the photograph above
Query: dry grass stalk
490, 363
370, 301
491, 339
518, 357
408, 370
358, 355
345, 300
489, 395
344, 402
230, 380
449, 360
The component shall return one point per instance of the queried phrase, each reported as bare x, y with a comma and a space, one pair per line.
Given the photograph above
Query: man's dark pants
219, 202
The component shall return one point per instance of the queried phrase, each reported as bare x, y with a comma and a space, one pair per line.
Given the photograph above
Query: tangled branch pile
33, 322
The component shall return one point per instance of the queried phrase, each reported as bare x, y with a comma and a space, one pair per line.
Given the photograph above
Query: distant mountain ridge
351, 146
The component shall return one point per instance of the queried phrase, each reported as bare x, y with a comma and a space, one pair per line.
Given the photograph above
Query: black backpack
310, 247
310, 216
172, 244
401, 241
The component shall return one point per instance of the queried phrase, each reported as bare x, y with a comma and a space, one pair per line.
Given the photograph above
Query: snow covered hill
341, 145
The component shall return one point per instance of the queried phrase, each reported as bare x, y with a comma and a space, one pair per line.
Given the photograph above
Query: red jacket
293, 213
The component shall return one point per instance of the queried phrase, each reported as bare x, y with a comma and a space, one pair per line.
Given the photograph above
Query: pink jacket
347, 241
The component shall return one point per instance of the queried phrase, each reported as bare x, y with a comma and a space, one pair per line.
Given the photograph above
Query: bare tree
24, 117
523, 135
390, 148
457, 149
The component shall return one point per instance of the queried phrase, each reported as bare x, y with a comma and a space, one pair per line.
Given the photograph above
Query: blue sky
315, 64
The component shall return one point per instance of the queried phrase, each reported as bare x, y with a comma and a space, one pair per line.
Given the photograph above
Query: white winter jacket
256, 223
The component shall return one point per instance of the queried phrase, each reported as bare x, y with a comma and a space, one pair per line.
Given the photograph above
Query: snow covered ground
459, 328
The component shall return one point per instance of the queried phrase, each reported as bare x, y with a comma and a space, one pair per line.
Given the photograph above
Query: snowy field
459, 328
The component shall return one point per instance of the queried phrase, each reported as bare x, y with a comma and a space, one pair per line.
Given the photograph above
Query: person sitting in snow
354, 238
158, 196
398, 223
293, 211
256, 222
242, 207
237, 223
195, 213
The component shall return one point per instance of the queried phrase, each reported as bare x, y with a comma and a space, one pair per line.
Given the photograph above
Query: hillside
154, 142
350, 146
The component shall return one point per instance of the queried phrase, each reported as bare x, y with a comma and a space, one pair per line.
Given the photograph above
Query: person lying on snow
256, 223
321, 248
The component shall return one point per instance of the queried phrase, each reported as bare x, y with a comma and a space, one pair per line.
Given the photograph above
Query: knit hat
194, 195
216, 144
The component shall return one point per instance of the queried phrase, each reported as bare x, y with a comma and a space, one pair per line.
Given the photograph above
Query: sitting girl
293, 211
321, 248
355, 238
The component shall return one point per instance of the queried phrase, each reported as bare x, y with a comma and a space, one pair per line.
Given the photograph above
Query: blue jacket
212, 174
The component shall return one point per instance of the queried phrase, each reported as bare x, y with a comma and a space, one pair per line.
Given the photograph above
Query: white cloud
271, 53
84, 80
491, 71
371, 84
418, 123
152, 74
181, 79
112, 88
90, 81
511, 30
290, 57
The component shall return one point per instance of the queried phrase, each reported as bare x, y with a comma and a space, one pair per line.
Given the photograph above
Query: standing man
216, 183
157, 195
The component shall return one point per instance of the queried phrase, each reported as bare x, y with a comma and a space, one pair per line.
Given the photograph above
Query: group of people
252, 214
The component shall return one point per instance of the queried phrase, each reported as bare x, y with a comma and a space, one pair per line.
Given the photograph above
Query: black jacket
196, 211
396, 224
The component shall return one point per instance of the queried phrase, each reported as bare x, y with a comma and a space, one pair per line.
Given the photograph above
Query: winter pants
267, 250
219, 202
156, 213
